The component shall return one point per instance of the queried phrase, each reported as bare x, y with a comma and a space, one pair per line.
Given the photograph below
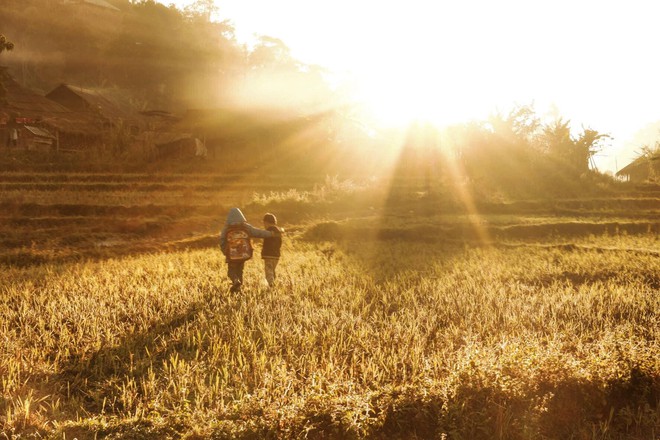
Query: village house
645, 168
163, 138
37, 139
110, 107
31, 121
229, 132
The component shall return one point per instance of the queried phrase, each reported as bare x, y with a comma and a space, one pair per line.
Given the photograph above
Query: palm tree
576, 152
586, 146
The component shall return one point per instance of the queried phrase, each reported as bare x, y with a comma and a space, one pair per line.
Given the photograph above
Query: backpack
238, 246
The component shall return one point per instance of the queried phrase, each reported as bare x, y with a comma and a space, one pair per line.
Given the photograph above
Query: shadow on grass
93, 380
383, 253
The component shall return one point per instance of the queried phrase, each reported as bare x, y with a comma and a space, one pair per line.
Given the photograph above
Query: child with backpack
270, 252
236, 245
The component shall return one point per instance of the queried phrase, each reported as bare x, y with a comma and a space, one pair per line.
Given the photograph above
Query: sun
424, 77
401, 101
418, 91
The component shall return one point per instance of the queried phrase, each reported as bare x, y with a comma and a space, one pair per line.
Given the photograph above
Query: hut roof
39, 132
109, 103
98, 3
162, 138
163, 114
640, 161
26, 102
21, 102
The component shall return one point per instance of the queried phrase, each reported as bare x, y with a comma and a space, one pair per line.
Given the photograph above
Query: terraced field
400, 312
53, 216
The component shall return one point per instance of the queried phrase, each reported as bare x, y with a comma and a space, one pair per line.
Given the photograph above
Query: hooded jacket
236, 217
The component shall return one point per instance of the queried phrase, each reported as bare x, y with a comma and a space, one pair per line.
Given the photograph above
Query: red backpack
238, 246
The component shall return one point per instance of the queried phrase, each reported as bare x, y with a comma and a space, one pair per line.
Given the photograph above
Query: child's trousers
269, 268
235, 273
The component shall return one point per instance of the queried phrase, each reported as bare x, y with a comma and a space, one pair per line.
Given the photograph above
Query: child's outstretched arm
259, 233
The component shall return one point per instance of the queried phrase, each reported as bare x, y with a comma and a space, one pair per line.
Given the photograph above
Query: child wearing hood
236, 245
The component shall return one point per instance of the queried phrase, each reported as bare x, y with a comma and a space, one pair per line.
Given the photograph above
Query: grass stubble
408, 331
377, 339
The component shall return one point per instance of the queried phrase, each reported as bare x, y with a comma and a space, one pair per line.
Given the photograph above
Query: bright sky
595, 62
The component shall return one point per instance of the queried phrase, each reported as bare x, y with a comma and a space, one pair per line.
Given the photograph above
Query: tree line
515, 153
175, 59
167, 58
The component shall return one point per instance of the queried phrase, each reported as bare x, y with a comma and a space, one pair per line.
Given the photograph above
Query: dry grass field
413, 315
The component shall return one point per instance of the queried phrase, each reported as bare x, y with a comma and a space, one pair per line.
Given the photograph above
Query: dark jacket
272, 245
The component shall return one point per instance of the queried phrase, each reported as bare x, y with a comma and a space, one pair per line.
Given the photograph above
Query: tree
575, 152
505, 147
5, 44
555, 138
271, 53
203, 9
588, 143
651, 156
520, 124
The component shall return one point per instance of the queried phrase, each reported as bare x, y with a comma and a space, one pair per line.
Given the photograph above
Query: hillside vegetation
168, 59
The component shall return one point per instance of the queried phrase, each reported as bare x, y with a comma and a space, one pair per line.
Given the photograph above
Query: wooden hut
111, 107
22, 107
37, 139
643, 169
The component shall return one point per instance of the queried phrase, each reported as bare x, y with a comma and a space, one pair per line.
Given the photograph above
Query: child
236, 245
271, 249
